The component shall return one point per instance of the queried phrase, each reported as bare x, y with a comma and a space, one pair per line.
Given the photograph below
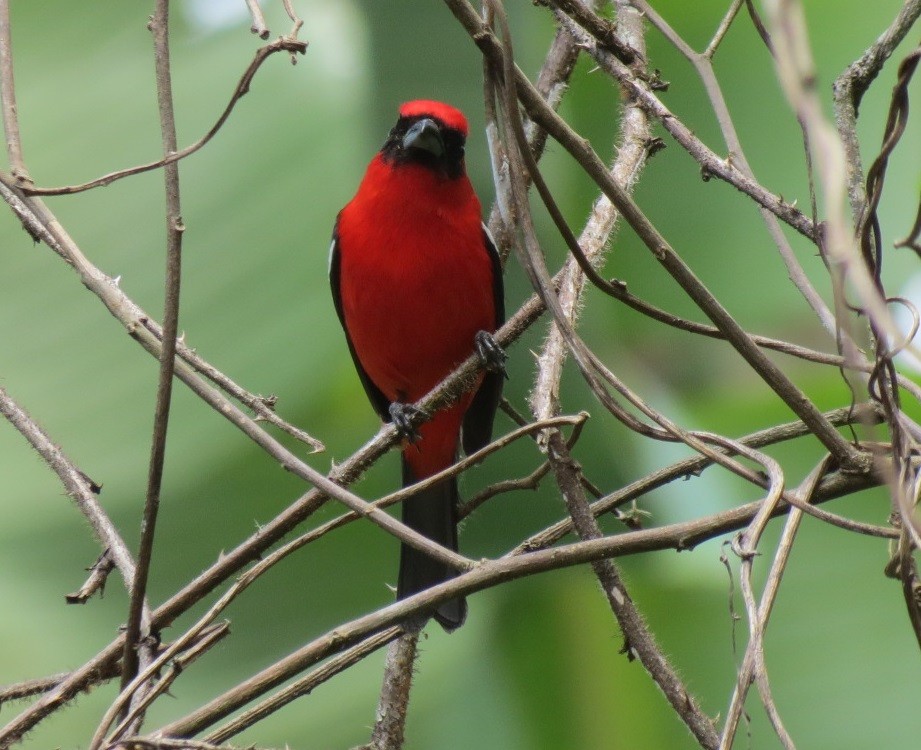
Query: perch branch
77, 484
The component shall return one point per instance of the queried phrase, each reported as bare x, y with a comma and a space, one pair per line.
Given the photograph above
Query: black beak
426, 136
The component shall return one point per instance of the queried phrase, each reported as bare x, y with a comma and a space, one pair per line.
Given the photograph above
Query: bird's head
430, 134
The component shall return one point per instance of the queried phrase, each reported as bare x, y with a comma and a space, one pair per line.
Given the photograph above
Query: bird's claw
491, 355
402, 415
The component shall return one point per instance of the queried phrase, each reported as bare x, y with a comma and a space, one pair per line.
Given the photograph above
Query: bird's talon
491, 355
403, 415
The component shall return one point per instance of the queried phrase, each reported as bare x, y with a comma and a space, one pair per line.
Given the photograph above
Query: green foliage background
538, 664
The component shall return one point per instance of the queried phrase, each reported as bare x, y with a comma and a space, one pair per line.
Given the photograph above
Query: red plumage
415, 277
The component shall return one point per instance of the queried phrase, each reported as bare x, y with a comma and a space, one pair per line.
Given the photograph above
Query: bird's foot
403, 415
491, 355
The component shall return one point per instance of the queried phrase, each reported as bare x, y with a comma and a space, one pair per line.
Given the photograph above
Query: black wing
478, 420
378, 400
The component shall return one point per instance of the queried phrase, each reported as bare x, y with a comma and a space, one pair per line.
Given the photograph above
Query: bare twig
8, 100
529, 482
852, 84
259, 27
99, 574
674, 536
277, 556
640, 642
296, 20
77, 484
284, 44
262, 406
251, 548
703, 65
582, 152
694, 466
680, 536
796, 73
31, 688
552, 80
605, 31
268, 562
753, 661
164, 743
392, 709
633, 150
138, 626
723, 28
305, 685
205, 640
109, 671
398, 496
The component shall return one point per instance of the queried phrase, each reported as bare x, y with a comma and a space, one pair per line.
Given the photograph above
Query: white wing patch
329, 262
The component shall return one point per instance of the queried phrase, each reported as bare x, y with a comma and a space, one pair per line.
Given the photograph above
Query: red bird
416, 281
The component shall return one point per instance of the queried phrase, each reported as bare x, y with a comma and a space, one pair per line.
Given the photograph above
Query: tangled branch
523, 120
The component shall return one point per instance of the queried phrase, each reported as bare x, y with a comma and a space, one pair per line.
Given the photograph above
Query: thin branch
99, 574
283, 44
795, 69
43, 226
162, 743
854, 358
77, 484
635, 137
262, 406
605, 31
582, 152
277, 556
703, 65
712, 165
692, 467
753, 660
529, 482
306, 684
271, 560
681, 536
8, 100
296, 20
723, 29
393, 707
205, 641
552, 80
31, 688
849, 88
674, 536
138, 626
454, 470
259, 27
590, 366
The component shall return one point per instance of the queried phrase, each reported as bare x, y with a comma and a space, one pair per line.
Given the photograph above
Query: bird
417, 285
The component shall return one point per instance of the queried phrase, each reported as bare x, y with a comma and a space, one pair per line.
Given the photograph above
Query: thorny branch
618, 50
79, 486
639, 642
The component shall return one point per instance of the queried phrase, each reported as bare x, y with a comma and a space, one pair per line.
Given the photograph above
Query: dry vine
521, 117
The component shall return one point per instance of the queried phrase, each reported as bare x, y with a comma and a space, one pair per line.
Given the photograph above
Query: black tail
433, 513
